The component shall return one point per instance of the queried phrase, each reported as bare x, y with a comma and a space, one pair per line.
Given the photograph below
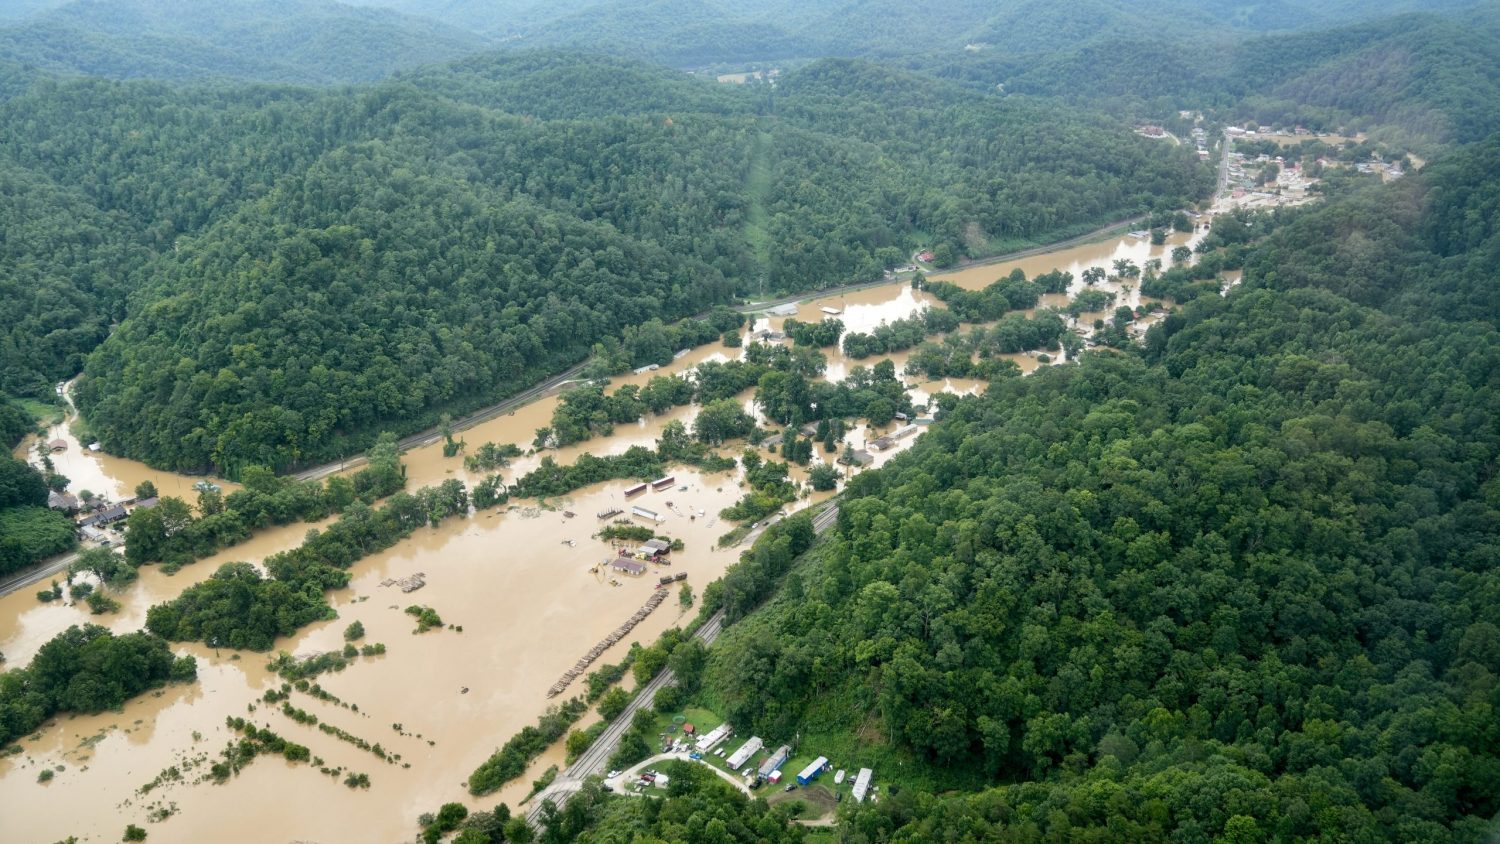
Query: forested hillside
301, 41
292, 270
1242, 584
697, 32
1419, 79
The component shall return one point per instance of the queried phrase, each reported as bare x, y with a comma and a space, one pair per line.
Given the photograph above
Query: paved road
1224, 167
54, 566
432, 435
593, 760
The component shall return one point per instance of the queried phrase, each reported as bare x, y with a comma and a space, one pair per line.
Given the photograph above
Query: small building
147, 503
859, 457
786, 310
656, 547
811, 772
65, 501
95, 534
712, 738
838, 778
830, 311
745, 751
904, 431
635, 490
925, 256
107, 516
646, 514
661, 781
663, 483
58, 445
775, 761
862, 784
650, 367
809, 430
882, 443
624, 565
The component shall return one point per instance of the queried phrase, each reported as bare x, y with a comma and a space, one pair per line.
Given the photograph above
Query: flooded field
522, 582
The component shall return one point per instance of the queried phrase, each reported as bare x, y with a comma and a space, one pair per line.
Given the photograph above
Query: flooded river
521, 581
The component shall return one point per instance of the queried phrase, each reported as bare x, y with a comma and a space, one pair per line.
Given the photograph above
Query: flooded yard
523, 581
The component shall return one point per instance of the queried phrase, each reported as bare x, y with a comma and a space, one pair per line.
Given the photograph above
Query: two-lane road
593, 760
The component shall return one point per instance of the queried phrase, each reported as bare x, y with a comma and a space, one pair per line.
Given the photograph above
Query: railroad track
592, 762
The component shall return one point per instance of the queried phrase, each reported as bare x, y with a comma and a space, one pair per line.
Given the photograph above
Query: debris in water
594, 653
407, 584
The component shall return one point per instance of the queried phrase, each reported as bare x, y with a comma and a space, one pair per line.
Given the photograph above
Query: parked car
695, 756
790, 787
613, 774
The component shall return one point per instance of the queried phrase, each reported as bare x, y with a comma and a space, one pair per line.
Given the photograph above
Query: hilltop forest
269, 276
1239, 584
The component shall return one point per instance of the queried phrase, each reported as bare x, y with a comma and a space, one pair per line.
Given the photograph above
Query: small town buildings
712, 738
745, 751
107, 516
624, 565
859, 457
811, 772
862, 784
65, 501
775, 761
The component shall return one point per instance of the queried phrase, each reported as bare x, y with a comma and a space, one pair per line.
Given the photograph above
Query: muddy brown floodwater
519, 580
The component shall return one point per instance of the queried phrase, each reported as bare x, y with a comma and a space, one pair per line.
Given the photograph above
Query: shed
811, 772
744, 752
862, 784
656, 546
830, 311
783, 310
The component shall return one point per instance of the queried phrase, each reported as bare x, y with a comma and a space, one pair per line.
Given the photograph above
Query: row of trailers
770, 769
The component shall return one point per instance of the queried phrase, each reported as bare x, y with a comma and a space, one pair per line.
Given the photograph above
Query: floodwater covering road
519, 580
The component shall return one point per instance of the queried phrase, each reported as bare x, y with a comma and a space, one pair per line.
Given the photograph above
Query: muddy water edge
523, 581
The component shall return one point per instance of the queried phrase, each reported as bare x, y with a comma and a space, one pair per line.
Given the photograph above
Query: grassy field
45, 413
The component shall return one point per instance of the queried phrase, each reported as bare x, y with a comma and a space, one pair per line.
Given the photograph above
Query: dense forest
291, 271
301, 41
1421, 80
1240, 583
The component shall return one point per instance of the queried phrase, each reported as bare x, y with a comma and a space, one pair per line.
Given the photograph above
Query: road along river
518, 580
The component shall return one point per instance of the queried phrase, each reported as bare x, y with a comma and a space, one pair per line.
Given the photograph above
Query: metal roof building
862, 784
745, 751
776, 760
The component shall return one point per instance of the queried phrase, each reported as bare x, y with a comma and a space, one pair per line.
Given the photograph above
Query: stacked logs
620, 632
